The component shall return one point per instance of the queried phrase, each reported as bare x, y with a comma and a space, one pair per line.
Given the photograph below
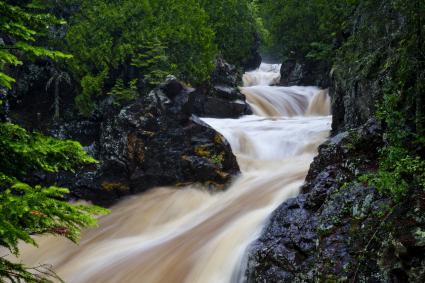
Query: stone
154, 141
341, 230
305, 73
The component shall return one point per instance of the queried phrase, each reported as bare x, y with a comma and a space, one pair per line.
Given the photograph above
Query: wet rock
353, 102
339, 230
254, 60
221, 98
226, 74
4, 107
154, 141
305, 72
216, 106
85, 131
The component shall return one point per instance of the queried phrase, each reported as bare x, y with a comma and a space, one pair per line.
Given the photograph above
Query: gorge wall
340, 229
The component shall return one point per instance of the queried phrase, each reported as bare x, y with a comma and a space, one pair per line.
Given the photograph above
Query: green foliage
396, 59
401, 58
91, 88
398, 172
305, 28
15, 272
132, 39
22, 27
22, 152
237, 27
383, 49
28, 209
123, 94
152, 58
184, 30
25, 209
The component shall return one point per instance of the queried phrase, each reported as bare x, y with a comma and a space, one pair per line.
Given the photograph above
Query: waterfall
189, 235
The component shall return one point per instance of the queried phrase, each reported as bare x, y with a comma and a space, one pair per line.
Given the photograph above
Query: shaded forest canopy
90, 51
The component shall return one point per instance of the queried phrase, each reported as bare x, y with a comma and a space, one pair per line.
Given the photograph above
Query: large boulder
305, 72
154, 141
353, 101
226, 74
254, 60
220, 97
220, 101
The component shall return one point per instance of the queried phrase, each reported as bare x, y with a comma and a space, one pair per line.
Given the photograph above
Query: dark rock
305, 73
227, 92
85, 131
4, 107
353, 102
357, 86
154, 141
253, 61
340, 230
221, 97
216, 106
226, 74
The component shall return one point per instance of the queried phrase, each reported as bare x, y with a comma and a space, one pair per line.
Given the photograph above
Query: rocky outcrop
220, 101
305, 73
154, 141
353, 103
253, 61
221, 98
339, 229
226, 74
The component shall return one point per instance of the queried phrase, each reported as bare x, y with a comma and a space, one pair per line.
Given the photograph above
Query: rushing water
177, 235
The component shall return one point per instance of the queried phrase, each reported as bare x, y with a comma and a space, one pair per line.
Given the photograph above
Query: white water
266, 74
177, 235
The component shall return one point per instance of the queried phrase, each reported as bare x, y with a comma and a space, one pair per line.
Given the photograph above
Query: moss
218, 159
354, 140
185, 158
222, 174
218, 139
185, 184
135, 148
202, 151
211, 185
115, 186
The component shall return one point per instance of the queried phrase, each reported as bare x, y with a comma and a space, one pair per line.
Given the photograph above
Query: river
169, 235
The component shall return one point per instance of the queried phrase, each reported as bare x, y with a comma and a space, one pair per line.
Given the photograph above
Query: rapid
169, 235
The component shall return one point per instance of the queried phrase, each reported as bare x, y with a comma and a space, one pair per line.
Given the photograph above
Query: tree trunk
420, 105
57, 101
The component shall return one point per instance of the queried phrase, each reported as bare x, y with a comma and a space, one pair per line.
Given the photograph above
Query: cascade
177, 235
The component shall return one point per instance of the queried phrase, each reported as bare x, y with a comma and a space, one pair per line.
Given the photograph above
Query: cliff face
340, 228
305, 72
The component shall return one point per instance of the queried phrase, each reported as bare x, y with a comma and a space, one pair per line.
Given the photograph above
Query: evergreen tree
28, 209
237, 28
132, 39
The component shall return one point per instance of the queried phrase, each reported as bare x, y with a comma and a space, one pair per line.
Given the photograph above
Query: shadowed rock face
305, 73
221, 98
337, 229
155, 141
341, 229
